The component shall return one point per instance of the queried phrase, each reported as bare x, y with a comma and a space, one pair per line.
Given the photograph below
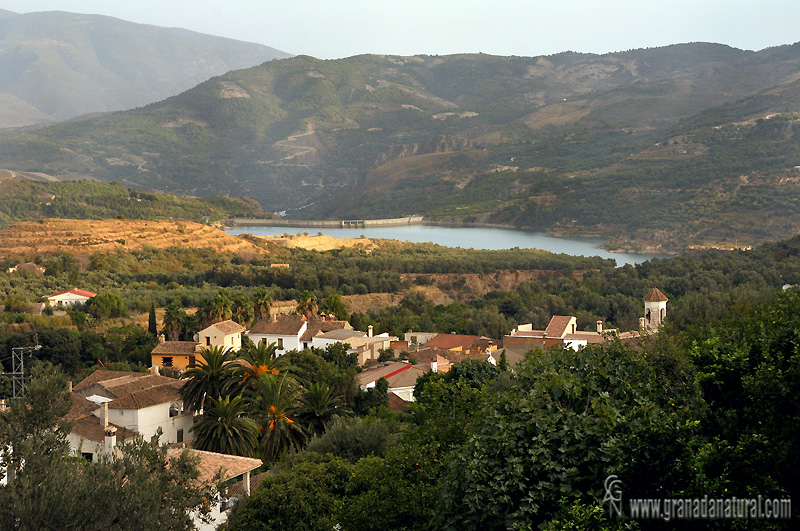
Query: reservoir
466, 237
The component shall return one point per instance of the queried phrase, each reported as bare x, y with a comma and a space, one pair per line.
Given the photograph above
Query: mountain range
652, 149
56, 65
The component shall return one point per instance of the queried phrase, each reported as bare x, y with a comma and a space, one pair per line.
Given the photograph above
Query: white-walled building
655, 309
285, 331
70, 297
109, 407
294, 332
223, 334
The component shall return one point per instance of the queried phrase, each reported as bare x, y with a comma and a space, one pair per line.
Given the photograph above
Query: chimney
161, 338
369, 331
599, 327
69, 386
105, 414
110, 442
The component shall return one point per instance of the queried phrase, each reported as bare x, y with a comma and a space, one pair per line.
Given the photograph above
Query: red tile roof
558, 325
655, 295
318, 325
387, 371
228, 327
211, 463
285, 325
75, 291
407, 378
176, 348
449, 341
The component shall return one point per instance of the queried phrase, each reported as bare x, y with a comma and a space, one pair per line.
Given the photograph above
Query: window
305, 345
174, 410
166, 361
180, 435
647, 315
88, 456
208, 341
280, 343
191, 362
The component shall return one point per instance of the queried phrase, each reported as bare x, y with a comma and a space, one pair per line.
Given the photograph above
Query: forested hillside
655, 149
28, 200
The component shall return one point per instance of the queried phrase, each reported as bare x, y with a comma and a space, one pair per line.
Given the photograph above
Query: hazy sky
341, 28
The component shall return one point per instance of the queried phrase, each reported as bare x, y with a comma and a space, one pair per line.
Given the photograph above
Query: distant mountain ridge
57, 65
655, 149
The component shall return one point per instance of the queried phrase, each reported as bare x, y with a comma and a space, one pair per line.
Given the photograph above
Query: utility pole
18, 367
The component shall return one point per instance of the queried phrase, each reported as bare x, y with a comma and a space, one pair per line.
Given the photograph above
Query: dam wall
339, 224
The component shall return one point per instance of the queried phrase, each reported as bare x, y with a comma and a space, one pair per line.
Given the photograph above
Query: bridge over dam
339, 224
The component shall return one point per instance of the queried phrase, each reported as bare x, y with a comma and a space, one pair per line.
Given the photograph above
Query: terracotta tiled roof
131, 390
341, 335
359, 342
589, 337
210, 464
80, 407
428, 354
449, 341
149, 397
318, 325
91, 427
228, 327
178, 348
285, 325
75, 291
409, 377
396, 403
99, 376
558, 325
655, 295
387, 371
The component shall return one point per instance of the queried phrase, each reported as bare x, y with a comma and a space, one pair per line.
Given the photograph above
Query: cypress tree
152, 326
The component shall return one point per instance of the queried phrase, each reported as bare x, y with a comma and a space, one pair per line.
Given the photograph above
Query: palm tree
172, 324
307, 305
334, 305
225, 429
218, 309
243, 312
257, 359
208, 379
262, 303
273, 401
318, 406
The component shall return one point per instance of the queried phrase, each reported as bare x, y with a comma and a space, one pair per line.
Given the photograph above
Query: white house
68, 298
223, 334
294, 332
110, 406
283, 330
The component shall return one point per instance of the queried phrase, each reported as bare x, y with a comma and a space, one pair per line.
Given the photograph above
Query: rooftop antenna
18, 367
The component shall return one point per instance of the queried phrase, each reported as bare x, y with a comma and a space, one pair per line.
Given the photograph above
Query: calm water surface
466, 237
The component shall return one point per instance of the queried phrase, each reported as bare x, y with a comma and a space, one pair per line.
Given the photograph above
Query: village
110, 407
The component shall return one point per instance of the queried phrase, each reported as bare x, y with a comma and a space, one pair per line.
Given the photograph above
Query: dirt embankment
91, 236
318, 242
